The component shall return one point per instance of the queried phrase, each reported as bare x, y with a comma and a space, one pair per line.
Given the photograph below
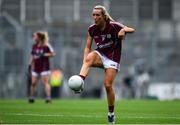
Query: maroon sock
83, 77
111, 108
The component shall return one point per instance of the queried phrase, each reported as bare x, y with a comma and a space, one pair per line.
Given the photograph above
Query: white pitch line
90, 116
52, 115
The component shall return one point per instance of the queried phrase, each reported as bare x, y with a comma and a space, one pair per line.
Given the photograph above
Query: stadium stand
157, 24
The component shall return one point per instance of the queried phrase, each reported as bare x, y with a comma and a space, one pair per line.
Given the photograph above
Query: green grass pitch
89, 111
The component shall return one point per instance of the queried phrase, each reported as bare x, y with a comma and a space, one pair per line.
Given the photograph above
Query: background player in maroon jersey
39, 63
108, 36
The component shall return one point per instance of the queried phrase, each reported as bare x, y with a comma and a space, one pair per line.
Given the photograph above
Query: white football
75, 82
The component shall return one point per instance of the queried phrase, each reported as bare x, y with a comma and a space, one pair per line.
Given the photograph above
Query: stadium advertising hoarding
164, 91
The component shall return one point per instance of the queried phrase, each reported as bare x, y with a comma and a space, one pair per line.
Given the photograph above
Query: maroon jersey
107, 41
41, 63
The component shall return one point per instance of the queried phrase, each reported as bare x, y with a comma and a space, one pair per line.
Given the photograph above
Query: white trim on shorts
41, 74
107, 63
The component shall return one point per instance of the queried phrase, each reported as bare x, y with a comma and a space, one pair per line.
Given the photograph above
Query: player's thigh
110, 75
95, 59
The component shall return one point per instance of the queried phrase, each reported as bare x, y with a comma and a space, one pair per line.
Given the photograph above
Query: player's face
35, 38
98, 16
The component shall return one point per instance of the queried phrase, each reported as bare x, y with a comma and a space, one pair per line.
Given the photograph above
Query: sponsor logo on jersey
106, 45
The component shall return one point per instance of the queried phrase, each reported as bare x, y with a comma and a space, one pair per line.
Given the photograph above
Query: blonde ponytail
46, 37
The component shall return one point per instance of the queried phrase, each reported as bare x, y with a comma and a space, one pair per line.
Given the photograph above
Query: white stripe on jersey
91, 25
50, 47
117, 23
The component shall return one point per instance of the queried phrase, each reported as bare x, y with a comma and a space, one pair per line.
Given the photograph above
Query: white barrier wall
164, 91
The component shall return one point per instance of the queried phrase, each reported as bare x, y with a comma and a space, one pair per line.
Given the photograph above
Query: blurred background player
40, 65
108, 36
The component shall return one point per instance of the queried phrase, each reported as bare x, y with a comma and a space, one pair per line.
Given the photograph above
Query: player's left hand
41, 55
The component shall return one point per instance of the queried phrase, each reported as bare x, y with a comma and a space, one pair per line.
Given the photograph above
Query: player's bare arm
31, 60
87, 49
51, 54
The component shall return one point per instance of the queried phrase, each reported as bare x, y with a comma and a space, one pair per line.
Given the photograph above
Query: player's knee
108, 87
33, 84
45, 82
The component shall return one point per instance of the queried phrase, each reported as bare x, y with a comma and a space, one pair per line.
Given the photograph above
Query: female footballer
40, 65
108, 36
